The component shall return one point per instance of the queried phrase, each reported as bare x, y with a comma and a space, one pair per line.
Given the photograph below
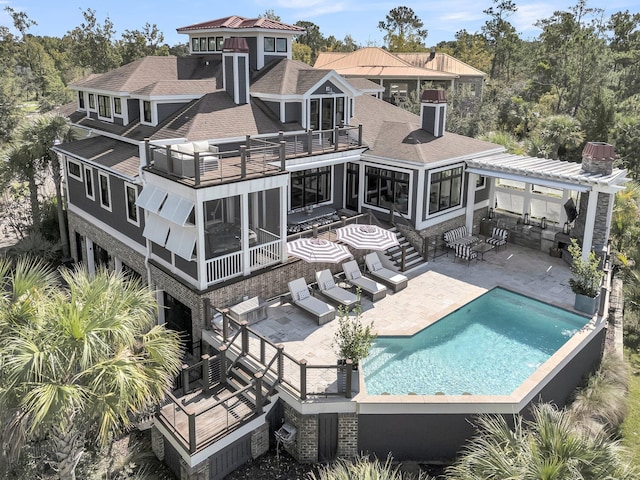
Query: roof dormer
266, 39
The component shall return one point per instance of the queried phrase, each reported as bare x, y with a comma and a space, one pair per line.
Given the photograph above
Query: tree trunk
57, 181
68, 448
35, 204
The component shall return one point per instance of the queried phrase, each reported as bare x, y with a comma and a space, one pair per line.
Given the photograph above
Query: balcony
204, 164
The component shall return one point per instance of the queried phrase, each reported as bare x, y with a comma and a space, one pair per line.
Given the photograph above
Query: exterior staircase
413, 257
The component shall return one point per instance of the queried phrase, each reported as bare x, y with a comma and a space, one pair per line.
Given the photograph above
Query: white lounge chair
329, 289
395, 280
301, 297
354, 277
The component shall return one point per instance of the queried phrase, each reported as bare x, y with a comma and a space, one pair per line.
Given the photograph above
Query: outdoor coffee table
482, 248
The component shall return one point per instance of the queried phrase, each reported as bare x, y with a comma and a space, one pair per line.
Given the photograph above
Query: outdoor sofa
458, 236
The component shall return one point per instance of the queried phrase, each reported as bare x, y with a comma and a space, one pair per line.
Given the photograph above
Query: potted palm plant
351, 341
587, 277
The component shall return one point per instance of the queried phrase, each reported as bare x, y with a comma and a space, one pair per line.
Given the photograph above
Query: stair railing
405, 223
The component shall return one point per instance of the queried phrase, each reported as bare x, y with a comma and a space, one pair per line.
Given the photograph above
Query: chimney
433, 112
598, 157
235, 69
432, 55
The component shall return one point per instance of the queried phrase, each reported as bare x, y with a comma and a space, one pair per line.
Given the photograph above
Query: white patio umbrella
318, 250
367, 237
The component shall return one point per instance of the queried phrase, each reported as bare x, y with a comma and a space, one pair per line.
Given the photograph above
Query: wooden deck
211, 420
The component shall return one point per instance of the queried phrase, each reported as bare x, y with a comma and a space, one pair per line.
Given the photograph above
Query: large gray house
193, 172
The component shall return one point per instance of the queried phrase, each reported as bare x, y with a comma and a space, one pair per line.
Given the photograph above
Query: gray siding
252, 42
274, 107
165, 110
292, 112
133, 105
339, 174
435, 437
228, 79
190, 268
243, 94
116, 218
323, 88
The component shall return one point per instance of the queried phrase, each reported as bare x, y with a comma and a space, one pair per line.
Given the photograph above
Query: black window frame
270, 44
279, 42
195, 44
440, 197
104, 106
211, 44
219, 44
203, 44
81, 100
384, 187
76, 172
117, 105
92, 101
105, 190
88, 183
314, 185
147, 111
133, 214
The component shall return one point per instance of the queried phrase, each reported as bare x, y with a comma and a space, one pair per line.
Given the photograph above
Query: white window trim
113, 110
127, 186
484, 183
100, 117
95, 102
154, 115
110, 206
462, 190
88, 173
76, 177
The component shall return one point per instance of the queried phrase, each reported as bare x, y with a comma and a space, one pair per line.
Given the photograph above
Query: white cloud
527, 15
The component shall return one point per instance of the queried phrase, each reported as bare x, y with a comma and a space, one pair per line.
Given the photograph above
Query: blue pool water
487, 347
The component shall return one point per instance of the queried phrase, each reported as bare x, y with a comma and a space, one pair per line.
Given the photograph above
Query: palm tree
30, 156
548, 447
77, 362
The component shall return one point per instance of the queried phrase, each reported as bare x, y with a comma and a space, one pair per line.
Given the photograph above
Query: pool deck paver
434, 290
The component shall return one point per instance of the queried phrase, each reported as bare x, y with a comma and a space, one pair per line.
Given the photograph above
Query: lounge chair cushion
328, 284
375, 266
302, 294
354, 275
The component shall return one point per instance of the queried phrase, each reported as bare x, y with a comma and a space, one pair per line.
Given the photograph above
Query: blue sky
335, 17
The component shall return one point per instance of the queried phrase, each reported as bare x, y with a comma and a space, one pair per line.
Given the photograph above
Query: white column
589, 224
283, 222
201, 243
91, 266
160, 301
419, 207
472, 179
612, 201
117, 264
244, 229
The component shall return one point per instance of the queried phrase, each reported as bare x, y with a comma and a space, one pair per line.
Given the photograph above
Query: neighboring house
194, 169
403, 73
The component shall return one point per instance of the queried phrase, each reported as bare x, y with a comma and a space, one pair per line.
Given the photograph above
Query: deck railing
224, 267
257, 156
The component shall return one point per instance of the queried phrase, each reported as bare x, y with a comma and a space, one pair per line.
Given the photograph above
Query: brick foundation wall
157, 443
305, 449
116, 248
347, 435
260, 441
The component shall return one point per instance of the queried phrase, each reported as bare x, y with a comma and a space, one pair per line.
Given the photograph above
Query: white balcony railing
224, 267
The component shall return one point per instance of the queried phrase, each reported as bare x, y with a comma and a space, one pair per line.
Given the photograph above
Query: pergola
594, 176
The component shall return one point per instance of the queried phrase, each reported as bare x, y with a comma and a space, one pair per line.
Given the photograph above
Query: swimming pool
487, 347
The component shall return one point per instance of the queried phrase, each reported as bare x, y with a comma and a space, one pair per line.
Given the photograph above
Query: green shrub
361, 469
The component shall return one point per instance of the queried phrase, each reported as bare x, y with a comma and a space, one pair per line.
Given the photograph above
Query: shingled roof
216, 116
149, 70
121, 157
391, 132
287, 77
235, 22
